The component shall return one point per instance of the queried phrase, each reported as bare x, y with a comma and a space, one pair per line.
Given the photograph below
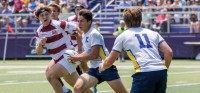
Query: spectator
170, 9
11, 2
161, 22
6, 19
194, 24
146, 18
17, 6
66, 8
178, 16
124, 3
83, 2
139, 3
1, 9
32, 5
23, 20
120, 29
91, 4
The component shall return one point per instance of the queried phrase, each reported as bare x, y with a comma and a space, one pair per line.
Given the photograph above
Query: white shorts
69, 66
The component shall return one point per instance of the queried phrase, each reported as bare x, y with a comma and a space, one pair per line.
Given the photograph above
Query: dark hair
56, 6
86, 14
193, 18
79, 6
132, 17
41, 10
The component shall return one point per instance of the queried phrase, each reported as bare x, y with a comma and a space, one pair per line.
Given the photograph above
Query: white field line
119, 67
15, 67
28, 82
177, 85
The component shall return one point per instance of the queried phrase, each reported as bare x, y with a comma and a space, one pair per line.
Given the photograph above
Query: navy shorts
107, 75
149, 82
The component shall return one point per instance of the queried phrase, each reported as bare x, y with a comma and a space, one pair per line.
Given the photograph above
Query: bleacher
108, 13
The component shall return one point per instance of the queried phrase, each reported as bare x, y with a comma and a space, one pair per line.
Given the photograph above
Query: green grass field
27, 76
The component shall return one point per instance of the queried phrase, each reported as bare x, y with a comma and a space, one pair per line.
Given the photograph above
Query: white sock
65, 89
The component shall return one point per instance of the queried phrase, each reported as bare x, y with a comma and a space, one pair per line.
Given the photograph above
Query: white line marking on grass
9, 73
188, 72
25, 72
29, 82
14, 67
177, 85
180, 85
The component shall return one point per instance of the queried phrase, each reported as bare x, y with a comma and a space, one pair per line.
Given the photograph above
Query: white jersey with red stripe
73, 38
57, 39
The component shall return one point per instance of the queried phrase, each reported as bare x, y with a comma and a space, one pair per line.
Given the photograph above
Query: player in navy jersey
52, 35
142, 46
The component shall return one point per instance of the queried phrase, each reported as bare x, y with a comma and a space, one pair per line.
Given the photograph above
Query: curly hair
132, 17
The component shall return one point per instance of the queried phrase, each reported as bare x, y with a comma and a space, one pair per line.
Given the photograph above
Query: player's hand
73, 58
43, 41
101, 68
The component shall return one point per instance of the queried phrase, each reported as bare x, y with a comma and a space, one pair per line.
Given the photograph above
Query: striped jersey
57, 39
94, 38
141, 46
73, 38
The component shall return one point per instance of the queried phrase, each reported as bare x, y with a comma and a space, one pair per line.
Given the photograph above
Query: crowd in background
156, 22
159, 21
29, 6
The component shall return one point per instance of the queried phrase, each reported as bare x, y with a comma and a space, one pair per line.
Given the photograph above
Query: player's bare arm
168, 53
39, 46
94, 54
108, 61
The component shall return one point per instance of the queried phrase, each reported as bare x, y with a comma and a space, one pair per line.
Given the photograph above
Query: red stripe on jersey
62, 24
75, 45
57, 50
73, 38
54, 38
48, 28
74, 32
75, 19
36, 34
56, 61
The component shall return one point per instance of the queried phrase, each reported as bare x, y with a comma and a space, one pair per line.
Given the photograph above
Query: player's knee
77, 89
50, 76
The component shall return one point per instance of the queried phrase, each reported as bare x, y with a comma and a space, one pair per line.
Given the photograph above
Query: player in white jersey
54, 15
142, 46
74, 39
52, 35
94, 51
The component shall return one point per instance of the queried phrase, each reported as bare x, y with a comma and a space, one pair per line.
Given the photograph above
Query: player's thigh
58, 71
117, 86
51, 63
71, 79
86, 81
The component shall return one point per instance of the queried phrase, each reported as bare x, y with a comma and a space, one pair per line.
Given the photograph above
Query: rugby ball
69, 53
